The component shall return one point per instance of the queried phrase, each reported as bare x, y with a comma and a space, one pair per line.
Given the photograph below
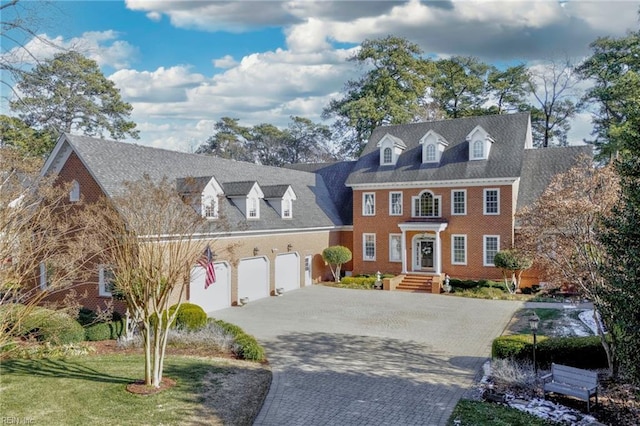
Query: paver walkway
355, 357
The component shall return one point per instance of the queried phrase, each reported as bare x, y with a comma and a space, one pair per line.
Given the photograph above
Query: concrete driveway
354, 357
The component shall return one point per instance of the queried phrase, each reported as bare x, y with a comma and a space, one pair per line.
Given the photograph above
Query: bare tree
151, 240
558, 231
555, 89
42, 240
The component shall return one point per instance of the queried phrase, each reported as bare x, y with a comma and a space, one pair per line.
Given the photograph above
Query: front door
425, 254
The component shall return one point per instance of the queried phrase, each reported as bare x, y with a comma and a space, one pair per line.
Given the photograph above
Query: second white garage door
288, 271
253, 278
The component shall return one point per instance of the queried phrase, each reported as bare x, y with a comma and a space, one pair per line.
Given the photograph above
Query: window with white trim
459, 249
74, 193
459, 202
426, 205
490, 246
210, 207
368, 204
369, 246
387, 155
430, 153
491, 201
287, 208
106, 281
395, 247
478, 149
253, 208
395, 203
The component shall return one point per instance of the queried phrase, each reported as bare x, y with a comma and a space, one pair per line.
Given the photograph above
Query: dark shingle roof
541, 165
335, 175
274, 191
112, 163
509, 132
238, 189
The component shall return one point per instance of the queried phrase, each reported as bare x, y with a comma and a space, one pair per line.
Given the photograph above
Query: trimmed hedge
190, 317
470, 284
104, 330
580, 352
52, 326
245, 345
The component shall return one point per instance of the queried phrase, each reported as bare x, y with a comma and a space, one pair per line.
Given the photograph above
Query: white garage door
217, 295
288, 271
253, 278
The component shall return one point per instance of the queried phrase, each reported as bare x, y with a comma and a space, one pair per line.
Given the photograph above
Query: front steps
416, 284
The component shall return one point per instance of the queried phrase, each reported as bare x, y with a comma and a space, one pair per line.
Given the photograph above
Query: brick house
441, 197
423, 199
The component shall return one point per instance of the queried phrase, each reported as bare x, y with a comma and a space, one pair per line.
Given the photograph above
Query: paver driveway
354, 357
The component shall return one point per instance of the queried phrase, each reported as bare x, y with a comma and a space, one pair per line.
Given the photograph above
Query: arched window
426, 205
478, 149
74, 193
430, 153
387, 156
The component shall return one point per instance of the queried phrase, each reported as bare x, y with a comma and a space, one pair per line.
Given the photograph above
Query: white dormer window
479, 144
74, 193
390, 149
287, 209
210, 200
253, 208
210, 207
388, 156
433, 145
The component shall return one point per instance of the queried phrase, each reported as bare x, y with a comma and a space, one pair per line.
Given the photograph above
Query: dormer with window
480, 142
281, 198
210, 200
203, 194
246, 196
390, 149
433, 145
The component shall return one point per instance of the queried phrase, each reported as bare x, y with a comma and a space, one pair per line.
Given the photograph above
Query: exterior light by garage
289, 247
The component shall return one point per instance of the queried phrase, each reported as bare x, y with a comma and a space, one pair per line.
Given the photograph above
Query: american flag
206, 261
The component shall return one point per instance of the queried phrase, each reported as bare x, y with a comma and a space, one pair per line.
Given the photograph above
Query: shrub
52, 326
245, 346
358, 282
190, 316
580, 352
110, 330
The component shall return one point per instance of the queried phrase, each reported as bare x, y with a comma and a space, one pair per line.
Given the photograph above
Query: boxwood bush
580, 352
190, 316
110, 330
51, 326
245, 346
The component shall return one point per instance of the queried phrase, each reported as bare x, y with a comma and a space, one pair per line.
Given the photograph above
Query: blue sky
185, 64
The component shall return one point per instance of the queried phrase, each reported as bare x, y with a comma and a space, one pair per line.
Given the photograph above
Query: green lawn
91, 390
474, 413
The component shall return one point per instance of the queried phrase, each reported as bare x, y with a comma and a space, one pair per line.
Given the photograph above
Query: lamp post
534, 321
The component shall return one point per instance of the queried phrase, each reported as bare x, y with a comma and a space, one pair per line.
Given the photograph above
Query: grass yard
473, 413
91, 390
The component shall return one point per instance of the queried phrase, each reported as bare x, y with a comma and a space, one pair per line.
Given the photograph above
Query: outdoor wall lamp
289, 247
255, 251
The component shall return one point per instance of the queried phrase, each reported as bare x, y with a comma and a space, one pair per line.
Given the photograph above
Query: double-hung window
491, 246
106, 282
459, 249
368, 204
369, 246
395, 248
491, 201
459, 202
395, 203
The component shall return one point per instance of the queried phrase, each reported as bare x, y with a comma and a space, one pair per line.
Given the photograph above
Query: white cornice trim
454, 183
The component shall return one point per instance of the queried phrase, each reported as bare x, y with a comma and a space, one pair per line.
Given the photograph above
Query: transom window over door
426, 205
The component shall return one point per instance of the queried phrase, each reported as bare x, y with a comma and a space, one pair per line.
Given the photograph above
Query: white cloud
162, 85
101, 46
226, 61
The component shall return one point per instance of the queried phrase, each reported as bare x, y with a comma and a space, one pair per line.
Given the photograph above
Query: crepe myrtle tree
335, 257
512, 263
150, 238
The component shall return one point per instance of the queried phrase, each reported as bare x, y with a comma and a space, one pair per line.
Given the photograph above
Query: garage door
217, 295
288, 271
253, 278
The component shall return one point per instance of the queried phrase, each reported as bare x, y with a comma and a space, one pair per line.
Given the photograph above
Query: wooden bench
571, 381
